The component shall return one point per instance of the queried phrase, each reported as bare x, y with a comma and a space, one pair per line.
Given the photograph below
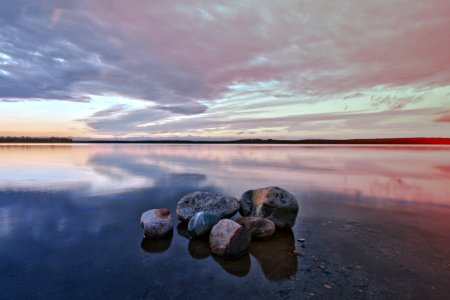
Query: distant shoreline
377, 141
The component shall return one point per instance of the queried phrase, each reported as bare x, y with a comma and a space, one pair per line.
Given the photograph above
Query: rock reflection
157, 245
238, 267
275, 255
199, 248
182, 230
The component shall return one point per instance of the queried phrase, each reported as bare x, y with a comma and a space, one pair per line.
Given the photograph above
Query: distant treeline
27, 139
400, 141
380, 141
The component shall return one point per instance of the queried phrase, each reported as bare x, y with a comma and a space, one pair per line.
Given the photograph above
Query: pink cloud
325, 47
443, 119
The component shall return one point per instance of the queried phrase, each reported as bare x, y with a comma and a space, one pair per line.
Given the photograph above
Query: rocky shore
210, 216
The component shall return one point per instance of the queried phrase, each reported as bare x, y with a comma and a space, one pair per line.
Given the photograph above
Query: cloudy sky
225, 69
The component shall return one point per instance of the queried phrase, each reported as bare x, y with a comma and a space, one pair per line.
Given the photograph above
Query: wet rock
273, 203
202, 223
219, 205
229, 239
258, 227
156, 223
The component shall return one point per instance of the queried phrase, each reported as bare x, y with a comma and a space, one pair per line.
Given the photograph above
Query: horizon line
397, 140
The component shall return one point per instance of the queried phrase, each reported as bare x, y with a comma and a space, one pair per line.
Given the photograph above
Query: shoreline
360, 250
374, 141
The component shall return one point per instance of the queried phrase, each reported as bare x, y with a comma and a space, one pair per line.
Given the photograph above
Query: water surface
69, 221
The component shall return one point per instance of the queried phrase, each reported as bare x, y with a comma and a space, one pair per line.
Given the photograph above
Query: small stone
302, 240
258, 227
229, 239
221, 206
327, 286
202, 223
273, 203
156, 223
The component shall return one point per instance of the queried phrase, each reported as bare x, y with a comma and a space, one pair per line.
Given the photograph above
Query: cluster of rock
207, 214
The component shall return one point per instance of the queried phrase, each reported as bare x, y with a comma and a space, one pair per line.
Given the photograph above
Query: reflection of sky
397, 173
69, 214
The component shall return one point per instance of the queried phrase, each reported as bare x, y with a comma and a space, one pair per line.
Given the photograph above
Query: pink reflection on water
405, 173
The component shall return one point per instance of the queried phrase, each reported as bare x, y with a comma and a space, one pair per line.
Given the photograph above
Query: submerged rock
258, 227
221, 206
273, 203
229, 239
156, 223
202, 223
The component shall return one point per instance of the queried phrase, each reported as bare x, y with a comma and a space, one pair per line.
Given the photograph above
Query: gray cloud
110, 111
78, 54
191, 109
394, 102
130, 121
337, 122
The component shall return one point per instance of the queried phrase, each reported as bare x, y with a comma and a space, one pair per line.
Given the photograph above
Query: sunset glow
245, 69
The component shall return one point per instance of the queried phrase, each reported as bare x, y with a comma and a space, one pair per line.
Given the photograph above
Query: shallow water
69, 220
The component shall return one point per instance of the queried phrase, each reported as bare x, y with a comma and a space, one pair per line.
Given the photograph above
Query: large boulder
221, 206
202, 223
273, 203
229, 239
260, 228
156, 223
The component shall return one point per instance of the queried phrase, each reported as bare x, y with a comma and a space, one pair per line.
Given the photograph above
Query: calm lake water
69, 221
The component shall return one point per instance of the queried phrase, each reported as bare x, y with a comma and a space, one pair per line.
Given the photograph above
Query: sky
225, 69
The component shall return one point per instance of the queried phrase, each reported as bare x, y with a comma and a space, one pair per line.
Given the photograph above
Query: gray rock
229, 239
156, 223
258, 227
202, 223
273, 203
195, 202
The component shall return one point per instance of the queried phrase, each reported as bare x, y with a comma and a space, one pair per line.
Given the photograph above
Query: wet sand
372, 251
